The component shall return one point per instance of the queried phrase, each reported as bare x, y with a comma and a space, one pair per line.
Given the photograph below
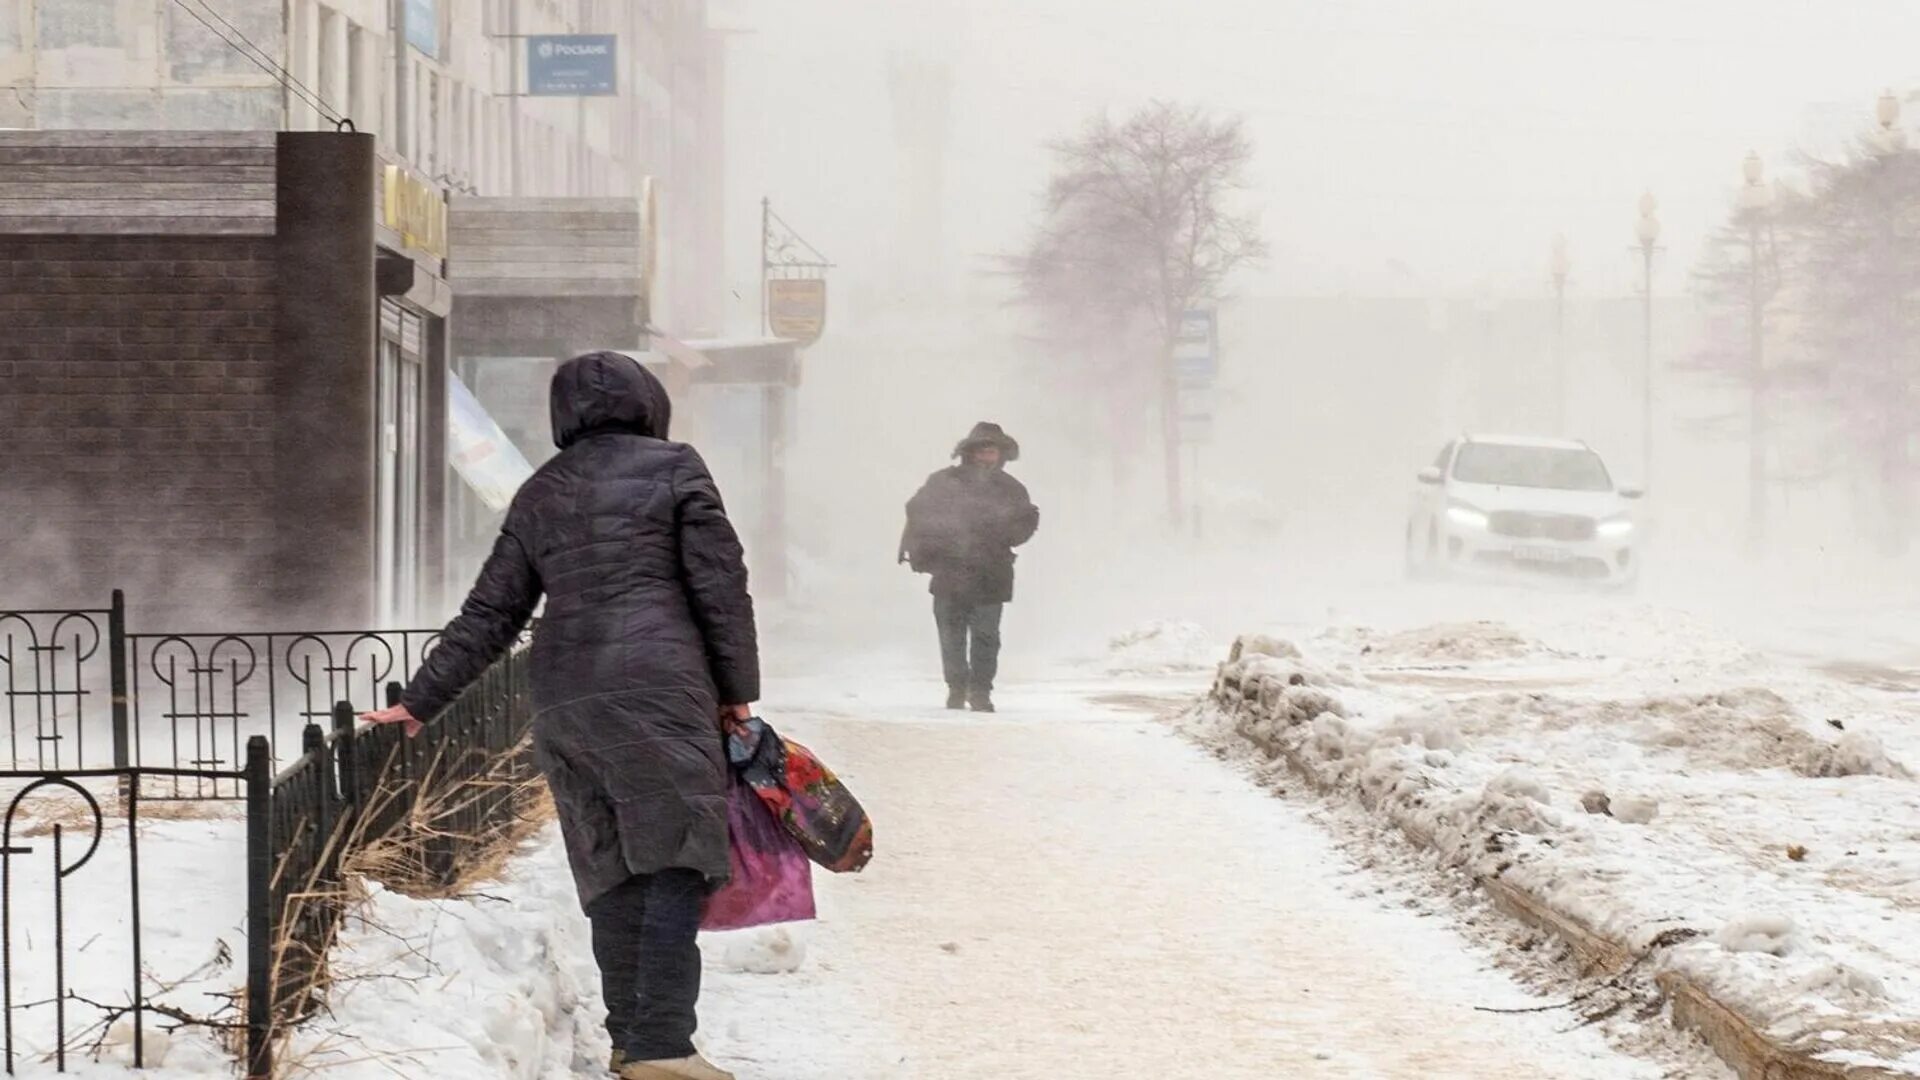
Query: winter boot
956, 698
981, 701
686, 1068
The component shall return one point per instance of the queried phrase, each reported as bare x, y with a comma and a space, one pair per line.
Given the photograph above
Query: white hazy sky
1403, 145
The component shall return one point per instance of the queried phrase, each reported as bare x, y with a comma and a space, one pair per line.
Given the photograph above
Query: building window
398, 475
457, 158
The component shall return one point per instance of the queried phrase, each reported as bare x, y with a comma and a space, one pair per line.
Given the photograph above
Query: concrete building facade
442, 84
147, 410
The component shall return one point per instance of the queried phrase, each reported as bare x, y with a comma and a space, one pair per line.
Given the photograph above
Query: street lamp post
1754, 201
1558, 266
1892, 434
1647, 230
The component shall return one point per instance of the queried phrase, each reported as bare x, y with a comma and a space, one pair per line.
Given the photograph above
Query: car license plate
1541, 553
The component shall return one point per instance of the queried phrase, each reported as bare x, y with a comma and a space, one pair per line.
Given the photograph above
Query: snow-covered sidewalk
1065, 890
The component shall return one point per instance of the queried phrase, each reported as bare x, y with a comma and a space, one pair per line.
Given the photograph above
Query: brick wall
135, 422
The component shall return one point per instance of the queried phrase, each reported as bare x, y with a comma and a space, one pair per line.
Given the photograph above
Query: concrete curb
1736, 1039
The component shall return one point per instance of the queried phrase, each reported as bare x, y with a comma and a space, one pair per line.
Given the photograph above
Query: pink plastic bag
772, 878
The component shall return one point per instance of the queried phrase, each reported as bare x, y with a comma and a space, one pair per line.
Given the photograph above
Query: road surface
1068, 890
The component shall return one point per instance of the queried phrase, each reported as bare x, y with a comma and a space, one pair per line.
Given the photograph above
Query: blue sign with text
573, 65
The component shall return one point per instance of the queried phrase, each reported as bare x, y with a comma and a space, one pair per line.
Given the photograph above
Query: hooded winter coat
965, 521
648, 630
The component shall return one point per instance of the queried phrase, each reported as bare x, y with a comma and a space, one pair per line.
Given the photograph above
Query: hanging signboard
423, 26
573, 65
480, 452
797, 308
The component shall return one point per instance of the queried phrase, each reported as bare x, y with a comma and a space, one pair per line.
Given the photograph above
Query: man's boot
981, 701
956, 698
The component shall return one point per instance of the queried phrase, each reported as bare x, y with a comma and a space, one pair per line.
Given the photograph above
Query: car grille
1587, 569
1525, 526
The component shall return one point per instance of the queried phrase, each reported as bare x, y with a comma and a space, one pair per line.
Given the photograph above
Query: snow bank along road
1647, 777
1066, 890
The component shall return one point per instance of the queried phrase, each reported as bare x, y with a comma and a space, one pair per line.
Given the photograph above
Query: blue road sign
573, 65
1196, 364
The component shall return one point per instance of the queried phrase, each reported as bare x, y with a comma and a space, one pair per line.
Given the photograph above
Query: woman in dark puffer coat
647, 643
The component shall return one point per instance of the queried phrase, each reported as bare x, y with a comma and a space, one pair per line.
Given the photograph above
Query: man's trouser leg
953, 617
983, 624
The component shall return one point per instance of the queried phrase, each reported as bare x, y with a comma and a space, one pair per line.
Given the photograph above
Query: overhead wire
260, 59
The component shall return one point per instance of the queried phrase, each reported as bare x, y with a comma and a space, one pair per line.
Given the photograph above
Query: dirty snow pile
1780, 850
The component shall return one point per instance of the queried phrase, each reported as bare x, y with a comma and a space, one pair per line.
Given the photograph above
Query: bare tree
1859, 301
1137, 230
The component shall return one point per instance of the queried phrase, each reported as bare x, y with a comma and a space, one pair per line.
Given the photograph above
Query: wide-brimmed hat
986, 433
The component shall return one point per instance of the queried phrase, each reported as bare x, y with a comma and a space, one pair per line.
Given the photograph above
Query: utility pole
1754, 201
766, 263
1648, 231
1558, 267
1170, 423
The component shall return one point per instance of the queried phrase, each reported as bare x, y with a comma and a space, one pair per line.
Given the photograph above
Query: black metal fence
406, 811
61, 678
197, 697
80, 690
356, 800
67, 858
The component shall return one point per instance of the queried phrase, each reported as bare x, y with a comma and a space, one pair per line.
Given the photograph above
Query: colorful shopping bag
804, 795
772, 880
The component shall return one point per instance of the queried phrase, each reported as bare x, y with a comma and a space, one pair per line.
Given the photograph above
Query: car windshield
1531, 467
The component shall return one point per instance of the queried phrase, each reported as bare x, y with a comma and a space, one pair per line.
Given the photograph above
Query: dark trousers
969, 642
643, 940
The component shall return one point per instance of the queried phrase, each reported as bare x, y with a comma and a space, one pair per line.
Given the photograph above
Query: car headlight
1467, 517
1615, 528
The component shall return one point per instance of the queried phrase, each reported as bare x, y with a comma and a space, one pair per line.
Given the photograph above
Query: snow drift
1631, 814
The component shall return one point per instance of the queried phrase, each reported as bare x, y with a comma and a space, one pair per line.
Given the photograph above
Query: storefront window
398, 480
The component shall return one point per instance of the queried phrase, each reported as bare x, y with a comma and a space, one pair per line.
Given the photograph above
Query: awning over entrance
479, 451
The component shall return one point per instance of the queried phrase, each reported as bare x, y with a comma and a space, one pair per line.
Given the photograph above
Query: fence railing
67, 857
355, 800
369, 800
197, 697
78, 689
61, 680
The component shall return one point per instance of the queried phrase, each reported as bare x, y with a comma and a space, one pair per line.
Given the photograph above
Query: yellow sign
797, 308
415, 210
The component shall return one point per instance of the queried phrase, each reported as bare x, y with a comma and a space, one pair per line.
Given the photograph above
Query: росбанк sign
572, 65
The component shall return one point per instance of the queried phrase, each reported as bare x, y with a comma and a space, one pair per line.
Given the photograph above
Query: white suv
1545, 506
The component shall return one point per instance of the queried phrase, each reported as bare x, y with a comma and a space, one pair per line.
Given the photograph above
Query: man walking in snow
962, 528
